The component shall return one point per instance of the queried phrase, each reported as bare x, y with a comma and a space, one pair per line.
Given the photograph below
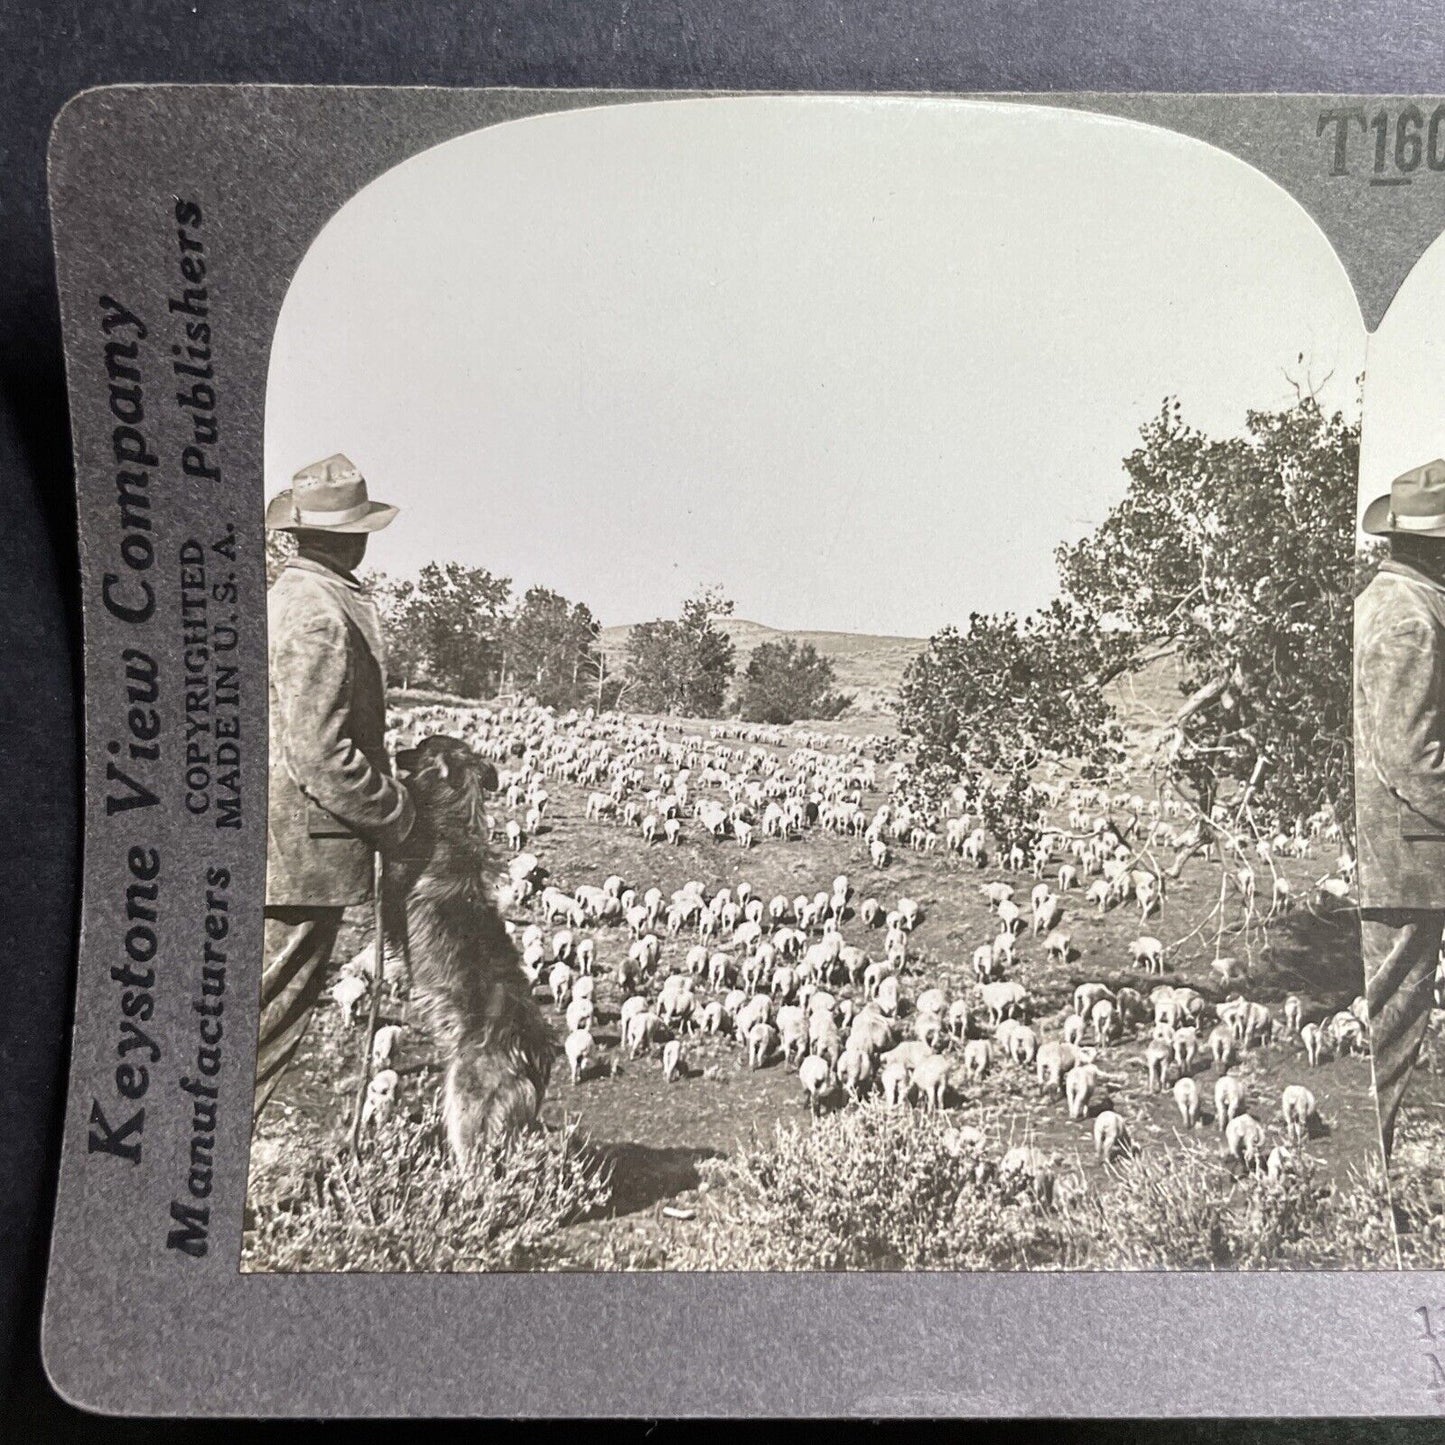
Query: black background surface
49, 51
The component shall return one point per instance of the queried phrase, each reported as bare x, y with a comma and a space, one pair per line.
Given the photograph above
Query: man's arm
309, 670
1401, 677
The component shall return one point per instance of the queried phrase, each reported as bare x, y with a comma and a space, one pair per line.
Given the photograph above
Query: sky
864, 364
1404, 411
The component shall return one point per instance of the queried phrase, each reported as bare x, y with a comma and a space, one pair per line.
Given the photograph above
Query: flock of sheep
828, 982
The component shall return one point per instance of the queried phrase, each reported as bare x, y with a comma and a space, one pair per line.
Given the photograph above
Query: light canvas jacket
1400, 739
332, 797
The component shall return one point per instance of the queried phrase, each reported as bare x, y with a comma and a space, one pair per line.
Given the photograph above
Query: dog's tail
497, 1079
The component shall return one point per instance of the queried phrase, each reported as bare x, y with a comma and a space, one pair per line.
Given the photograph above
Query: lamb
1312, 1036
958, 1018
977, 1057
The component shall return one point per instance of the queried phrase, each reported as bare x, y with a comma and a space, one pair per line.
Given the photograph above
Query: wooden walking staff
377, 976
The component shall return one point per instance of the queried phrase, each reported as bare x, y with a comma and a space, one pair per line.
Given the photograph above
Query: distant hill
869, 667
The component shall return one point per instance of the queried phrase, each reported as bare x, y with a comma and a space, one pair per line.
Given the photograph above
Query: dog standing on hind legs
468, 987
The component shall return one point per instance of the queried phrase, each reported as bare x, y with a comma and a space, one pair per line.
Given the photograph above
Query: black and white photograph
1399, 709
809, 676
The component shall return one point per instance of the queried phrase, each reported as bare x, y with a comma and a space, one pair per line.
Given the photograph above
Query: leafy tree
445, 627
682, 665
787, 680
553, 649
402, 621
1236, 555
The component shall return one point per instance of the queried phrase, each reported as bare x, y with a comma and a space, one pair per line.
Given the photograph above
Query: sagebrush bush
405, 1207
875, 1188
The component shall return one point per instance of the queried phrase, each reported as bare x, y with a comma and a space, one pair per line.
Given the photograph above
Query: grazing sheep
977, 1057
1312, 1036
1088, 994
1223, 1047
380, 1101
1079, 1085
1297, 1104
816, 1077
855, 1069
1052, 1062
1003, 1000
579, 1014
348, 993
641, 1031
673, 1065
578, 1048
1156, 1064
383, 1045
1186, 1096
930, 1079
1111, 1136
897, 1082
1229, 1099
1244, 1139
958, 1018
1147, 953
762, 1044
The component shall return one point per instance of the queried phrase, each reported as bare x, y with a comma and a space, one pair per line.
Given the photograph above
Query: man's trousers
1402, 952
298, 948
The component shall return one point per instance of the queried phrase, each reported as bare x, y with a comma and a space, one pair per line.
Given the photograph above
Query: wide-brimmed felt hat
327, 496
1415, 505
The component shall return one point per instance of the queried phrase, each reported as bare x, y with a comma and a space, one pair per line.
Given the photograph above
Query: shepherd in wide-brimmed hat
1399, 697
333, 801
327, 496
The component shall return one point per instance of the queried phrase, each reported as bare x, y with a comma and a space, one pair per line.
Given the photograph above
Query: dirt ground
657, 1133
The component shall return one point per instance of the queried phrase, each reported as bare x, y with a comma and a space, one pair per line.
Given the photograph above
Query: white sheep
380, 1100
1297, 1105
1111, 1136
578, 1048
1186, 1097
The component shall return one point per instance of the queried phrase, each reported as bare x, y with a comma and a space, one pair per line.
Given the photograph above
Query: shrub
874, 1188
405, 1207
